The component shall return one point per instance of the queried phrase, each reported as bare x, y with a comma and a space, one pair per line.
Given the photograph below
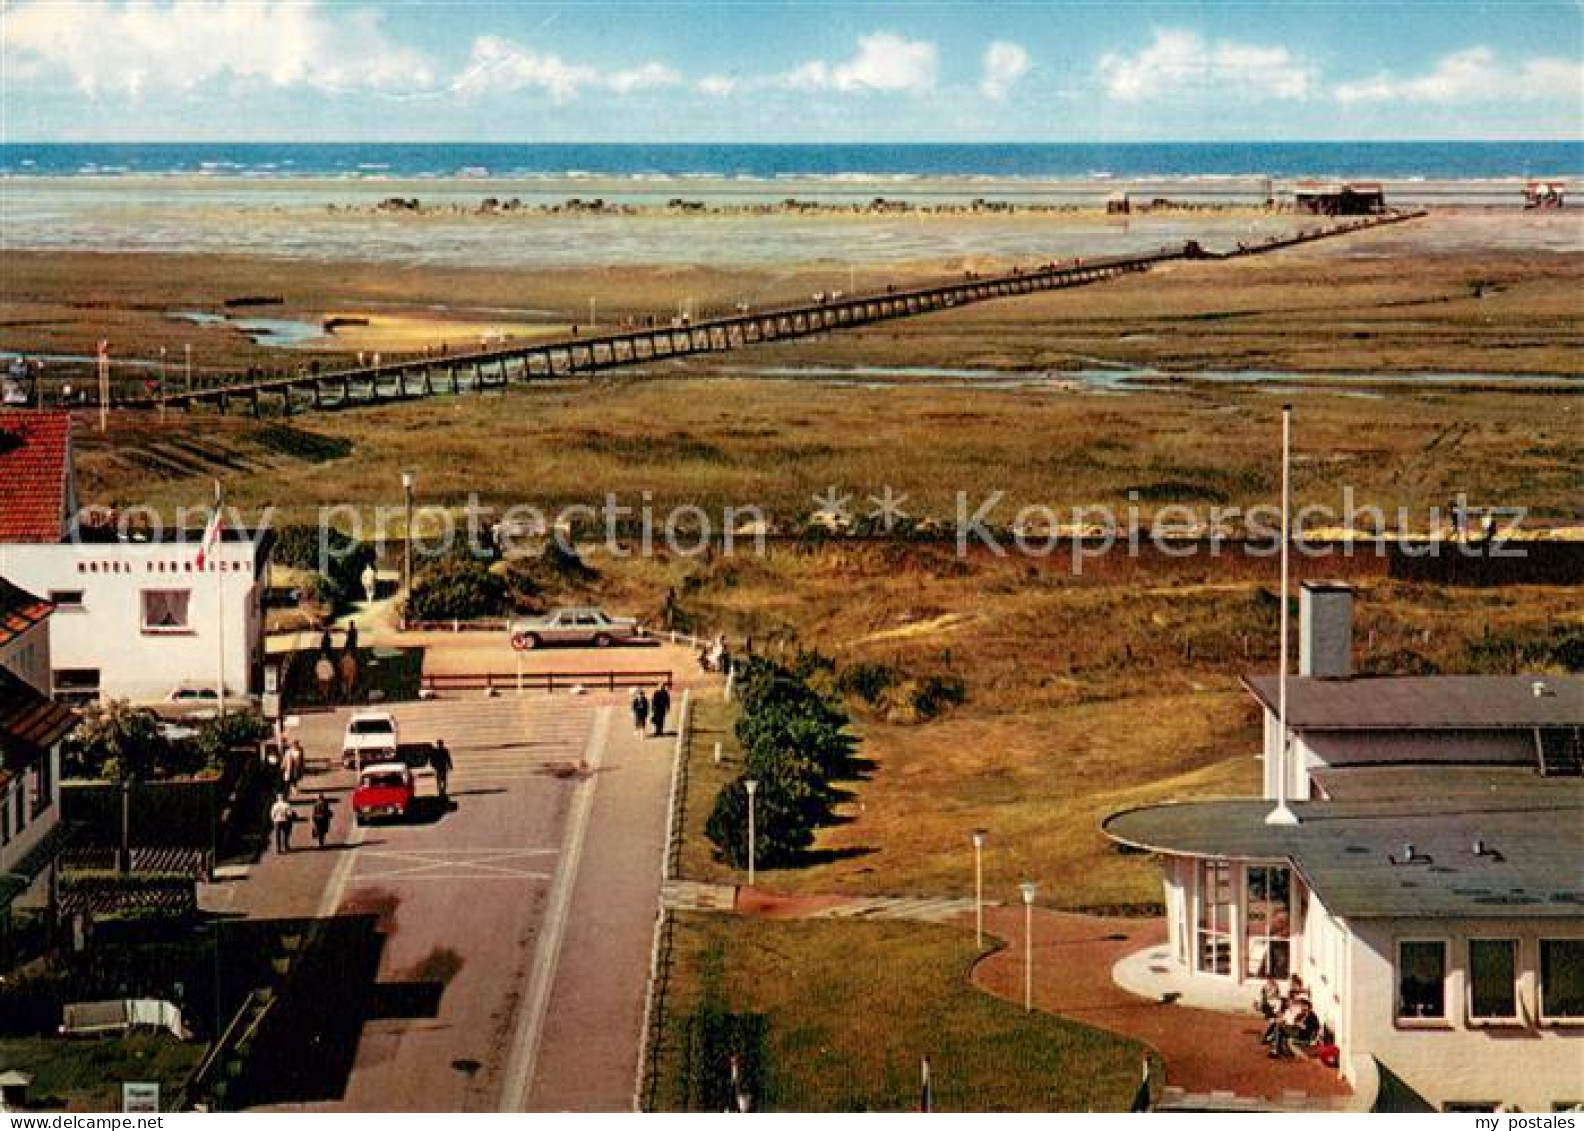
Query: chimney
1325, 630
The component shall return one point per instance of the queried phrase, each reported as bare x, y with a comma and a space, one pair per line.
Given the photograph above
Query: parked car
194, 702
371, 737
384, 789
574, 626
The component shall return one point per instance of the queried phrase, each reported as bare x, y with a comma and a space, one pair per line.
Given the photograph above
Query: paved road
517, 925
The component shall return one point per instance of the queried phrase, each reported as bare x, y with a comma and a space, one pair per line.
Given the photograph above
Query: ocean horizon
1056, 161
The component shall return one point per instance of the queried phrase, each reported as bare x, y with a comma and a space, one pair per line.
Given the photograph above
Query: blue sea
1428, 161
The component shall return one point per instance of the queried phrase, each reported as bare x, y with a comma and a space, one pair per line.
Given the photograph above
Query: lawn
86, 1074
849, 1009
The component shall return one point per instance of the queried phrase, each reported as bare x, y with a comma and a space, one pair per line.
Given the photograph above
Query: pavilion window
1562, 979
1214, 933
1267, 935
1421, 980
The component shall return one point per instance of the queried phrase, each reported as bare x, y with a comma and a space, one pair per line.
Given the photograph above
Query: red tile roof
28, 721
19, 611
35, 454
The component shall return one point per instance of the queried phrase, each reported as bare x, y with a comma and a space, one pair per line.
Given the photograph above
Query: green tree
457, 589
781, 833
117, 742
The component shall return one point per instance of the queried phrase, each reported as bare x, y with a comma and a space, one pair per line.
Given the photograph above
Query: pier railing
580, 355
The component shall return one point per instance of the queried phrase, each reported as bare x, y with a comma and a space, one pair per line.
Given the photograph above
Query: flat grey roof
1391, 782
1348, 851
1429, 702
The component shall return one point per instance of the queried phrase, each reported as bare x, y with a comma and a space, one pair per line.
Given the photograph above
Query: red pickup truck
384, 789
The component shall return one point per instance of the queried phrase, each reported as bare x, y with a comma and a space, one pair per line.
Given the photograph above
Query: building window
44, 783
1493, 979
1214, 947
1421, 981
1562, 979
76, 685
66, 598
1268, 922
166, 610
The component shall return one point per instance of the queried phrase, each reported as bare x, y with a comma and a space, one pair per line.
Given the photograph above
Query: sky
783, 71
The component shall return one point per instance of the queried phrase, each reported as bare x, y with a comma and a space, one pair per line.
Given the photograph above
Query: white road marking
464, 864
335, 890
530, 1026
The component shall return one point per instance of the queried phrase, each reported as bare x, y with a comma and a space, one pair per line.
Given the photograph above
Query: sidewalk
1204, 1052
588, 1059
291, 885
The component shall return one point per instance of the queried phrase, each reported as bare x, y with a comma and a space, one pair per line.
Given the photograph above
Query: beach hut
1332, 198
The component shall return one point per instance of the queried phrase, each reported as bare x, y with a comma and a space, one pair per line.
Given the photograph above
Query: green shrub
936, 694
231, 731
457, 590
116, 741
781, 832
869, 681
338, 557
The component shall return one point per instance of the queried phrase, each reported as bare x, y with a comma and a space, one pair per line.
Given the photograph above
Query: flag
211, 534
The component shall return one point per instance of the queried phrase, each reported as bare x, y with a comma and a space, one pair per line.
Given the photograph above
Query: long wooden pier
582, 355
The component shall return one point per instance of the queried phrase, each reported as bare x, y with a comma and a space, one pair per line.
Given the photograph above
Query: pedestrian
281, 816
324, 674
321, 820
659, 706
349, 675
290, 770
440, 760
370, 581
351, 638
640, 710
326, 645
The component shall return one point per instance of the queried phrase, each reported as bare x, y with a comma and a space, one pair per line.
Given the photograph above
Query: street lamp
187, 349
1027, 887
979, 843
752, 787
407, 481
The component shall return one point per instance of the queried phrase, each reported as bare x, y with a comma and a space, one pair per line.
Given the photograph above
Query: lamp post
593, 311
752, 787
1028, 889
979, 843
187, 349
162, 385
407, 481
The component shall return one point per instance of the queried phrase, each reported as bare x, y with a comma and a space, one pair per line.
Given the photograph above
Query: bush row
795, 745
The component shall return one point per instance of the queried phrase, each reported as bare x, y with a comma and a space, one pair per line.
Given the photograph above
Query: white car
195, 702
370, 737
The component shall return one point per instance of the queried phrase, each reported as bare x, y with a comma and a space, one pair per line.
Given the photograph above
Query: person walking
281, 816
291, 769
440, 760
351, 638
640, 710
659, 707
321, 820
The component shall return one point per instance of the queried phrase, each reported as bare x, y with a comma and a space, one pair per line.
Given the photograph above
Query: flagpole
220, 603
1283, 814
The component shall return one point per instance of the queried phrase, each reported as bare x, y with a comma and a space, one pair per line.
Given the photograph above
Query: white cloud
1183, 63
884, 62
131, 48
499, 66
1004, 65
1474, 75
718, 86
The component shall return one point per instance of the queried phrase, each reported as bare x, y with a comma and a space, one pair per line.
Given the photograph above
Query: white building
134, 618
31, 728
1432, 891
